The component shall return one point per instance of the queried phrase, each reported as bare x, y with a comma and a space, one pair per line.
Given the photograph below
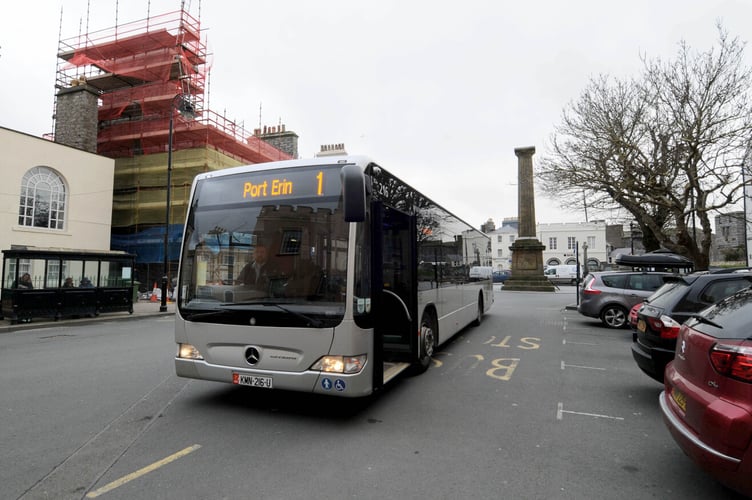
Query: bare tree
668, 146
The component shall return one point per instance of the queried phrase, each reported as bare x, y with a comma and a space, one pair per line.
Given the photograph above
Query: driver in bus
256, 273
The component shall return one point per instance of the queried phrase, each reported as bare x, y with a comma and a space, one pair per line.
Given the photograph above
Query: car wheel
614, 316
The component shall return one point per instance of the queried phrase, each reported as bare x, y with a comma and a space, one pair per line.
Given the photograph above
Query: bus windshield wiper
311, 321
703, 319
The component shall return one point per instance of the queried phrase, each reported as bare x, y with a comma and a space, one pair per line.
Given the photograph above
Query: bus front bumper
331, 384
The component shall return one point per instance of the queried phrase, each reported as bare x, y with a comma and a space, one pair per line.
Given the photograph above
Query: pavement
141, 309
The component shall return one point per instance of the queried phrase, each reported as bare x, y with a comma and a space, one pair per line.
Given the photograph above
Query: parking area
600, 415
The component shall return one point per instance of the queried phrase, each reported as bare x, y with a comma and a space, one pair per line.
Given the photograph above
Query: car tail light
589, 290
732, 361
633, 314
666, 327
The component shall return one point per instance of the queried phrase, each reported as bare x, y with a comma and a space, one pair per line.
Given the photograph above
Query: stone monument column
527, 251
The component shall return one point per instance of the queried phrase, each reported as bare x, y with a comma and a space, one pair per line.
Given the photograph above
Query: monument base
527, 267
528, 285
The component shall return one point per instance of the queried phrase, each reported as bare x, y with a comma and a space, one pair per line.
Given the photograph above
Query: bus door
395, 287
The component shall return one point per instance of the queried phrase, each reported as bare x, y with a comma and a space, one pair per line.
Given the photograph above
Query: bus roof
361, 161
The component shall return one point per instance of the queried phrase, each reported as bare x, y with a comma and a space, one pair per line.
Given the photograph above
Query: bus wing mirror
353, 193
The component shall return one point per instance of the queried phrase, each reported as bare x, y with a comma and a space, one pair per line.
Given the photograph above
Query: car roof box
657, 261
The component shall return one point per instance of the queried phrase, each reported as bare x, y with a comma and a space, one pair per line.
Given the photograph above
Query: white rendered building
53, 196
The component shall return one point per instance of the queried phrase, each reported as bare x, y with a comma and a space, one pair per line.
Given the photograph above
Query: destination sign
277, 187
286, 184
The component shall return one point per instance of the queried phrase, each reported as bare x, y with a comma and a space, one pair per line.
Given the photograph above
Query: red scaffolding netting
139, 70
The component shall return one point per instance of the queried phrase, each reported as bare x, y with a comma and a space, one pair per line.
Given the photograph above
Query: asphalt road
536, 402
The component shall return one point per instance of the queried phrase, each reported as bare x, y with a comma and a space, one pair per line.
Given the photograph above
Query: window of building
591, 241
552, 243
291, 242
511, 238
571, 242
500, 253
499, 238
24, 266
42, 199
53, 274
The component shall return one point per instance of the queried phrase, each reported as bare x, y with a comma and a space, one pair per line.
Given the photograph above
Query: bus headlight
340, 364
187, 351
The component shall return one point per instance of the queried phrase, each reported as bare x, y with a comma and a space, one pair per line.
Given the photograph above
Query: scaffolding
137, 69
142, 73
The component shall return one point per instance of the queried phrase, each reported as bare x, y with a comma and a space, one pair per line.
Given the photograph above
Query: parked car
480, 273
632, 317
707, 398
565, 274
501, 276
609, 295
659, 319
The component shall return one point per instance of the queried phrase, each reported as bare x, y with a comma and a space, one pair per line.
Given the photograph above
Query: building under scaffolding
121, 93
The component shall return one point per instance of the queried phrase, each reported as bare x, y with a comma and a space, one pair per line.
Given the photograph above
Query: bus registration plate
252, 380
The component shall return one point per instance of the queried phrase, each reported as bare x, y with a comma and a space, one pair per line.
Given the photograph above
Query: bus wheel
427, 343
479, 317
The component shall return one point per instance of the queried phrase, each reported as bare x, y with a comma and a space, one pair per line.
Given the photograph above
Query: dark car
609, 295
501, 276
659, 319
707, 398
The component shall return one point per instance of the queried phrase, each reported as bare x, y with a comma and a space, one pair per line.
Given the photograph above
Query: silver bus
327, 275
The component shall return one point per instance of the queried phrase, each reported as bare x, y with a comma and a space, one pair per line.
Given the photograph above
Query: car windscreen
668, 293
733, 314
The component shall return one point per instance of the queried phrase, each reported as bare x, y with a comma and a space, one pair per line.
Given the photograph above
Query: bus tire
479, 318
428, 333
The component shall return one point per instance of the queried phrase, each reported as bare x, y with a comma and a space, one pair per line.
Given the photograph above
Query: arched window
42, 199
593, 264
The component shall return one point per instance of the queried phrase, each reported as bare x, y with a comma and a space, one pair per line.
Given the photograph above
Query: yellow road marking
141, 472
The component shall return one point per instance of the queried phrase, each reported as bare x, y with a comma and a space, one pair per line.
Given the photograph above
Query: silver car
609, 295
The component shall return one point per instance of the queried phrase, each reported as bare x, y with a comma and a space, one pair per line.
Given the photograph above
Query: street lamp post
185, 108
577, 262
631, 237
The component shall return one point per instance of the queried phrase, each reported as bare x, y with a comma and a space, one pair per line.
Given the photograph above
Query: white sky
438, 92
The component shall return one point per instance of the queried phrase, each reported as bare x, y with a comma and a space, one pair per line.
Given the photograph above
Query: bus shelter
59, 283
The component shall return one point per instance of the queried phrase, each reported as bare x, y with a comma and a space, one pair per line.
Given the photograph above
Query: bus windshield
266, 248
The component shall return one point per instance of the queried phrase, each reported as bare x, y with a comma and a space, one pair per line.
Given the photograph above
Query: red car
632, 316
707, 401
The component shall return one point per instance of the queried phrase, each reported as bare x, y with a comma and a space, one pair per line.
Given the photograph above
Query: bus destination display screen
321, 181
